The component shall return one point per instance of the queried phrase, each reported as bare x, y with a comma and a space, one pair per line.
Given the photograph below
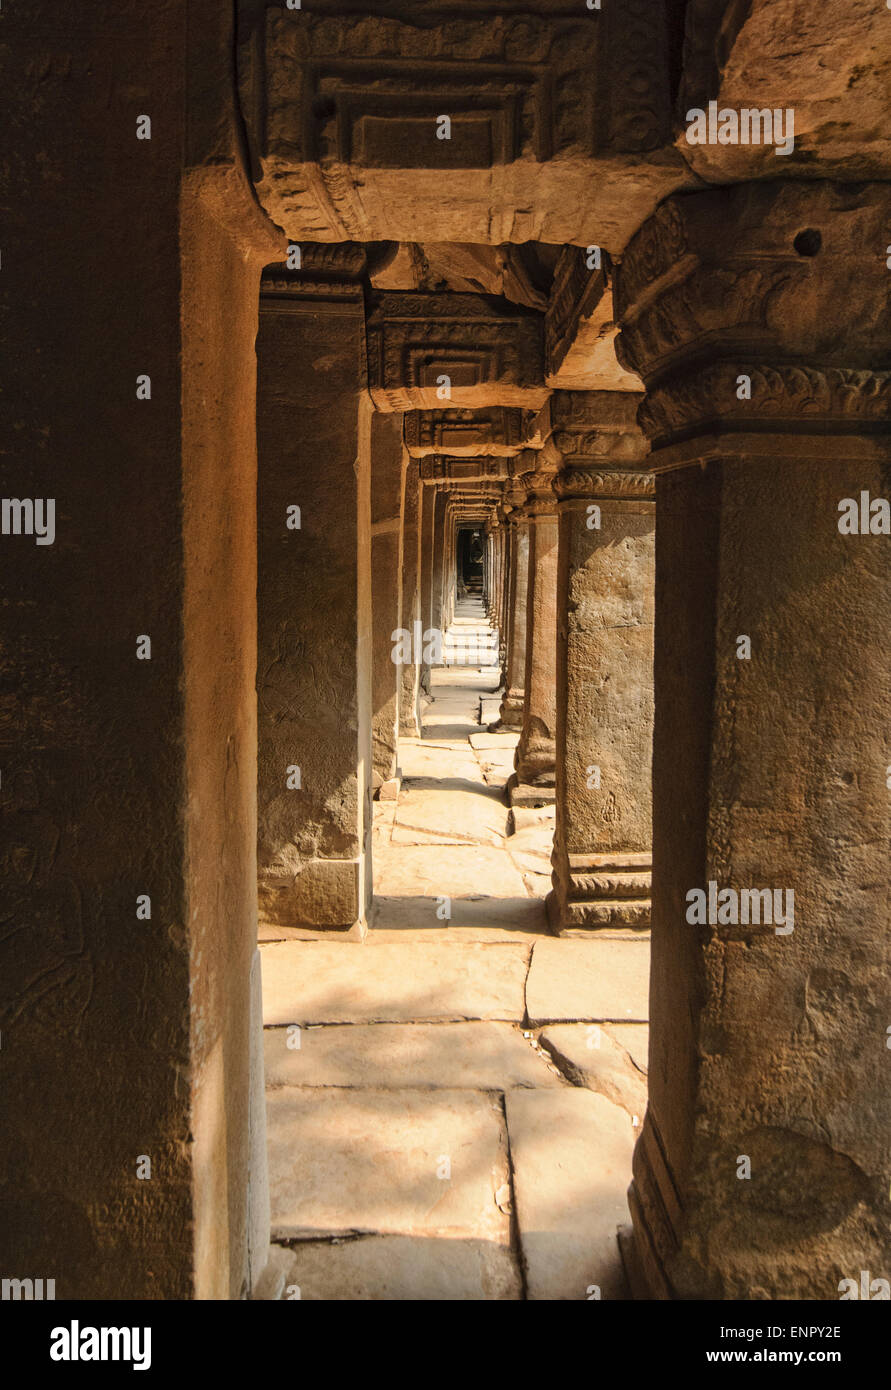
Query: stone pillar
503, 594
428, 505
128, 630
603, 833
409, 671
438, 567
764, 351
386, 589
314, 596
532, 782
511, 713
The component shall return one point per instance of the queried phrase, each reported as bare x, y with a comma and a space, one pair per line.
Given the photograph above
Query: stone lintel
496, 431
482, 350
560, 122
435, 469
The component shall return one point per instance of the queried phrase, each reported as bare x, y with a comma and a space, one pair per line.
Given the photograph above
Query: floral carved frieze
574, 483
741, 396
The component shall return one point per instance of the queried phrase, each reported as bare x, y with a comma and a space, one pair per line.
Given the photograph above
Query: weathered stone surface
567, 141
450, 816
580, 330
455, 870
309, 982
535, 757
399, 1268
422, 764
488, 741
386, 589
313, 595
835, 78
483, 1056
759, 1040
605, 595
590, 1057
635, 1039
588, 980
570, 1151
527, 797
342, 1161
490, 351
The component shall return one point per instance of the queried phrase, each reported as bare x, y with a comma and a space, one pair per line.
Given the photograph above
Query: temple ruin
445, 535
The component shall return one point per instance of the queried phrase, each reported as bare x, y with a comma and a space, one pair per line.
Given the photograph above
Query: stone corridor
444, 644
458, 1119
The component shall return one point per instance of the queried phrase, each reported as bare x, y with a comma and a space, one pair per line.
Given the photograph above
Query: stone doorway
453, 1102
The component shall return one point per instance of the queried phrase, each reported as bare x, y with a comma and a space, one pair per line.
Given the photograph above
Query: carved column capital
778, 325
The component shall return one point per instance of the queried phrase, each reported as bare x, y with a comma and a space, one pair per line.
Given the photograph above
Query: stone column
438, 567
428, 504
603, 833
511, 713
532, 782
128, 631
762, 1169
314, 597
504, 594
386, 589
412, 488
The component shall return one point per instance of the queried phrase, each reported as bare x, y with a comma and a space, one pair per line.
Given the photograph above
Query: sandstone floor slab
368, 982
427, 760
588, 980
486, 742
590, 1057
457, 871
399, 1269
480, 1056
446, 815
406, 1162
635, 1038
571, 1153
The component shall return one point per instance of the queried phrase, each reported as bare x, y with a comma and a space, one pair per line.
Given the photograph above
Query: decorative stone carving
841, 398
462, 470
778, 323
498, 430
582, 482
546, 107
490, 353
